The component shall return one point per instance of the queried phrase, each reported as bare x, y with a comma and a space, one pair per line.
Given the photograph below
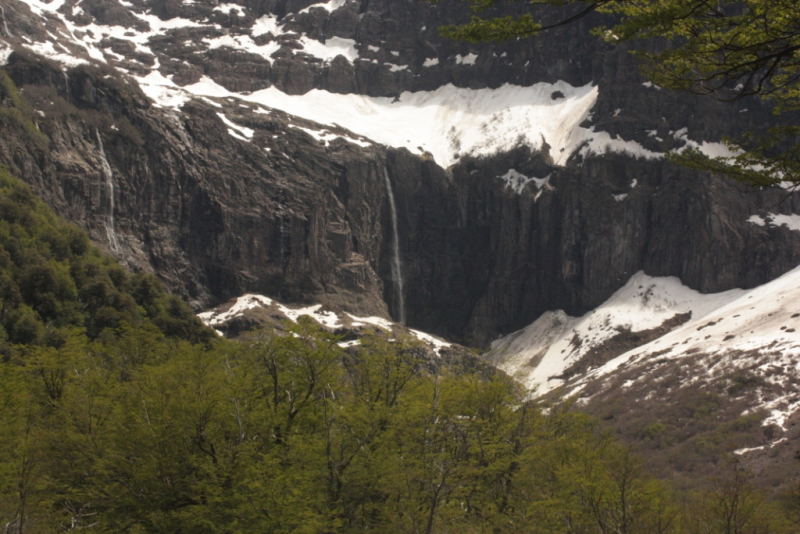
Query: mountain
344, 155
527, 176
685, 376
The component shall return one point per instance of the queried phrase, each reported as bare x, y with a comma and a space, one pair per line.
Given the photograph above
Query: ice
740, 452
47, 50
209, 101
448, 123
602, 142
761, 321
374, 321
436, 342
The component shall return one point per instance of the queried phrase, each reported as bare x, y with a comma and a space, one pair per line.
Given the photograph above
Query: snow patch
538, 354
227, 8
5, 52
328, 319
469, 59
242, 304
244, 43
335, 46
743, 328
239, 132
330, 6
266, 24
325, 137
163, 91
602, 143
518, 181
712, 150
792, 222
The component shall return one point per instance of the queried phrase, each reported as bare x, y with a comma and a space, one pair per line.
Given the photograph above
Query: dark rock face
211, 215
215, 214
484, 260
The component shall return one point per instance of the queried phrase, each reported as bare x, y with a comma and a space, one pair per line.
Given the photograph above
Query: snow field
448, 123
546, 348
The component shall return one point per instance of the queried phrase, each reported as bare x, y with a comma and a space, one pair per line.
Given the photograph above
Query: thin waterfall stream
397, 272
5, 26
111, 231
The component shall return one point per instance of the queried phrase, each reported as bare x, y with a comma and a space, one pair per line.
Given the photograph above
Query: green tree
734, 506
725, 49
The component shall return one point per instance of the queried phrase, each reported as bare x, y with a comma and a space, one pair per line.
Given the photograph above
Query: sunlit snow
792, 222
448, 123
542, 351
517, 181
329, 319
742, 328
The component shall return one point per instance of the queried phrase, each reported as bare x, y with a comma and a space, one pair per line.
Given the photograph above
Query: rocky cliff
202, 142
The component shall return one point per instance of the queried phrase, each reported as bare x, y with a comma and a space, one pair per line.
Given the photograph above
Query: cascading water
111, 231
66, 91
397, 272
5, 26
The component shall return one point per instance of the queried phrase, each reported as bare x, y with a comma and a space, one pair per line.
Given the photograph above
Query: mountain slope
54, 284
684, 376
199, 142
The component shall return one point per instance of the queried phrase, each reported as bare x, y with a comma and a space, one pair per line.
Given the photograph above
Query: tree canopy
120, 412
724, 49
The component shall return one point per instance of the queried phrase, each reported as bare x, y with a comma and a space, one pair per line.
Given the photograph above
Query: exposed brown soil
621, 343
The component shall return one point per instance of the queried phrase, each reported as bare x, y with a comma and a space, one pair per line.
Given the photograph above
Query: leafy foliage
120, 413
16, 113
52, 281
289, 433
724, 49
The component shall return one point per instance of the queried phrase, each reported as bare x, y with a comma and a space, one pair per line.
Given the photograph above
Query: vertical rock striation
220, 197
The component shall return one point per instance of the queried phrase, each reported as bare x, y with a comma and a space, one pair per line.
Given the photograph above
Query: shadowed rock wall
301, 220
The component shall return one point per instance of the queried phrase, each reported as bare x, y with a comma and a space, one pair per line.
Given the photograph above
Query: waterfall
111, 232
5, 26
325, 27
66, 96
397, 272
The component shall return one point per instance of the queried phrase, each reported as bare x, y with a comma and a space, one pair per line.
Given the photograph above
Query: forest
121, 412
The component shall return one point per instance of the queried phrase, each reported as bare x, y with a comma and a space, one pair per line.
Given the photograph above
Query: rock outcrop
221, 196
